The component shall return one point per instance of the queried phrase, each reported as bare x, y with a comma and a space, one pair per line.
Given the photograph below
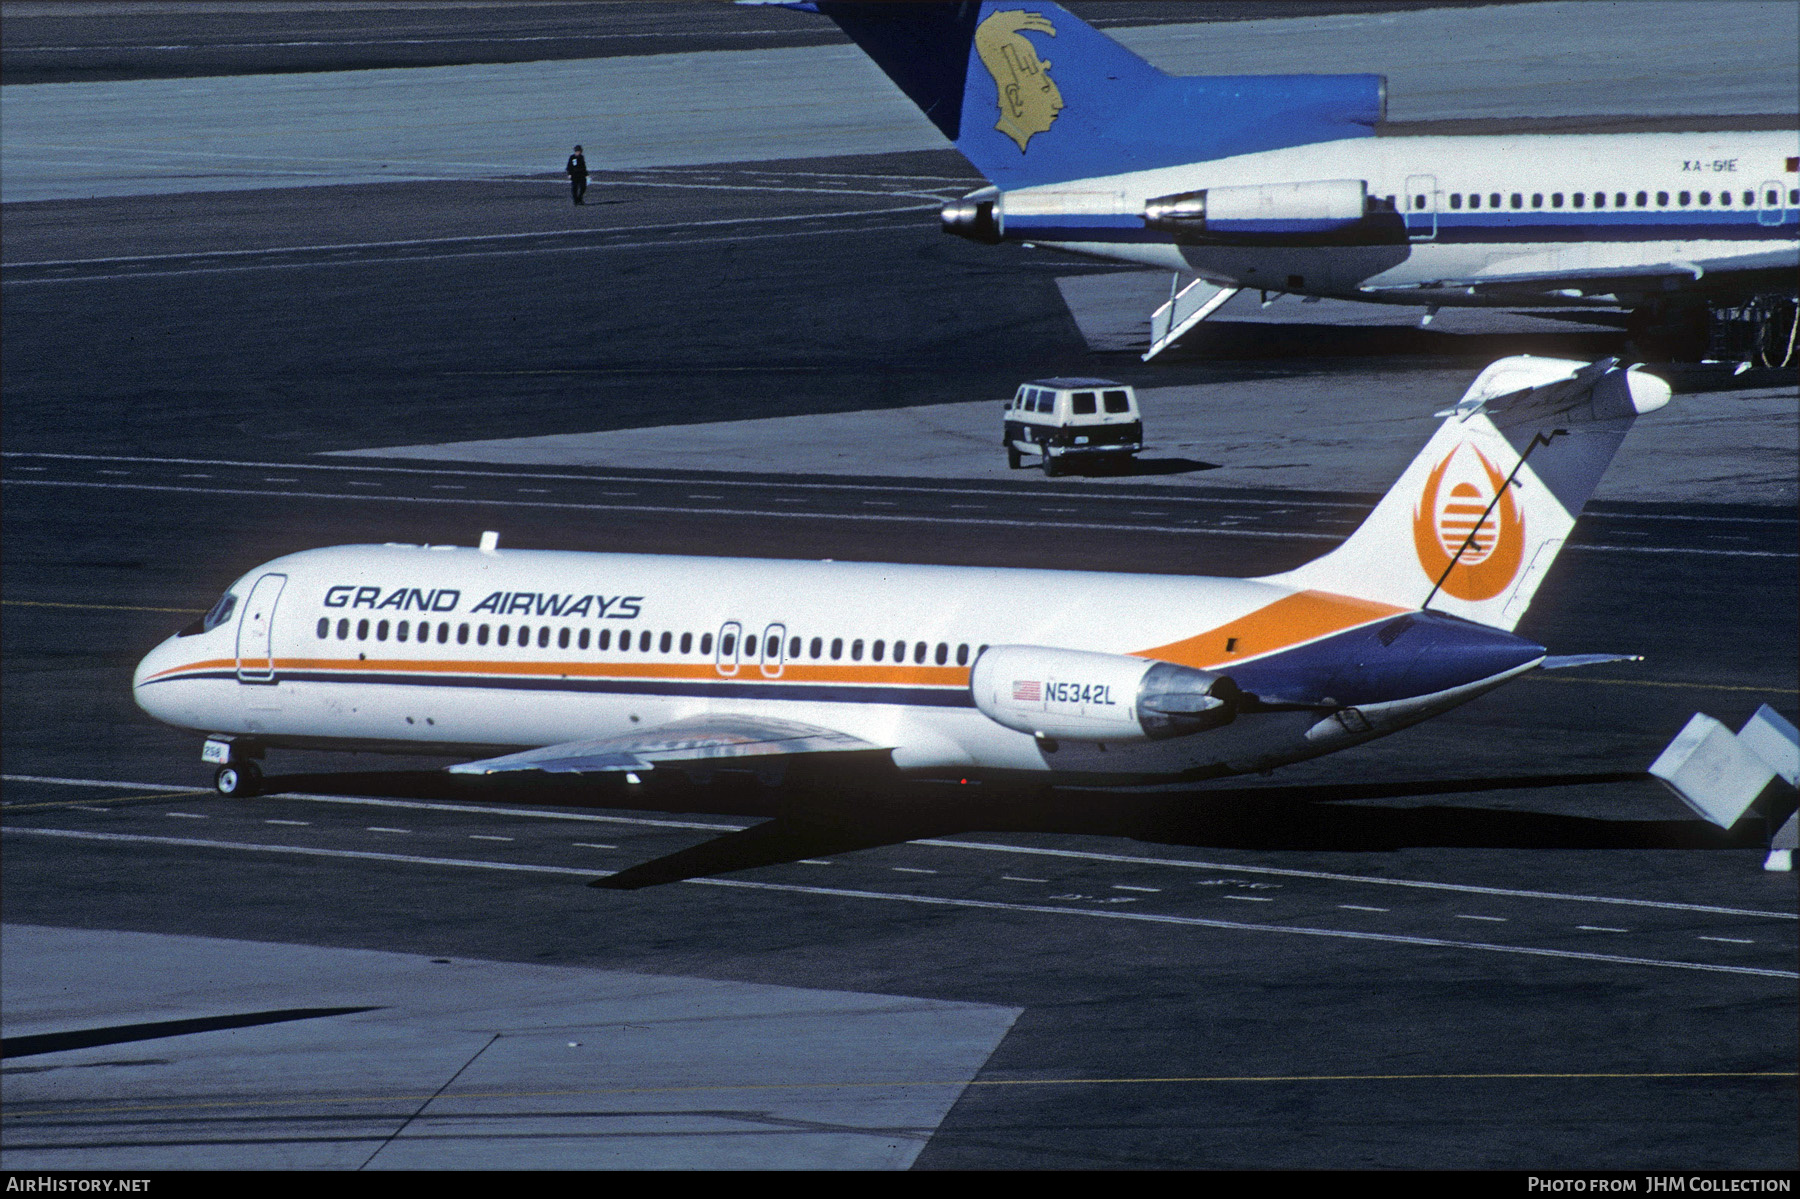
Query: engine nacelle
1066, 693
1264, 212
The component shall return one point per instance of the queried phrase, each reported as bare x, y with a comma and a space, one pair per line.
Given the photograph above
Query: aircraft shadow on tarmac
817, 818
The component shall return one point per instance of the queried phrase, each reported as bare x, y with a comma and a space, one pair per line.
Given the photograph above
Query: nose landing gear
240, 780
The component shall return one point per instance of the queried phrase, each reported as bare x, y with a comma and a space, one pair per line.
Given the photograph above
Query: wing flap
711, 738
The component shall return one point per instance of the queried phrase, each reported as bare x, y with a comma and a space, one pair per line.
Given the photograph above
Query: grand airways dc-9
1280, 184
626, 664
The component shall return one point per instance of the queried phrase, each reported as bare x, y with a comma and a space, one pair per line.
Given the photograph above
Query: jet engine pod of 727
1268, 212
1082, 696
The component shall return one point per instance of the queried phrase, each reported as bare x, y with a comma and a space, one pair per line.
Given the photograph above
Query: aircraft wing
713, 739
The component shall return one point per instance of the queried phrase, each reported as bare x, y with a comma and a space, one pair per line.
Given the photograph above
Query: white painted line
1251, 898
1600, 928
911, 870
576, 248
299, 823
987, 846
1730, 940
899, 518
480, 837
1129, 887
1235, 867
816, 862
592, 845
940, 901
1490, 919
1357, 907
376, 828
186, 815
1011, 878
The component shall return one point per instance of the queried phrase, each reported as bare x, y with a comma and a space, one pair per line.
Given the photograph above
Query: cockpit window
221, 612
218, 615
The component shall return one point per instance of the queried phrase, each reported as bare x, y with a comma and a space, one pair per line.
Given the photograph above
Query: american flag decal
1028, 691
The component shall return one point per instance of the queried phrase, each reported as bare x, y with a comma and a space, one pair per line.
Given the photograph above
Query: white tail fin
1474, 523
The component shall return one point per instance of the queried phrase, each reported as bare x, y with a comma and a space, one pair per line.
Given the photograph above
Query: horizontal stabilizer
1567, 661
717, 739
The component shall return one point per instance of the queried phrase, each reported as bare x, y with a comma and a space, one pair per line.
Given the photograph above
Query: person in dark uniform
577, 170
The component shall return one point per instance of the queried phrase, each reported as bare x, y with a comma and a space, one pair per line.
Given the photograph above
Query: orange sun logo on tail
1490, 536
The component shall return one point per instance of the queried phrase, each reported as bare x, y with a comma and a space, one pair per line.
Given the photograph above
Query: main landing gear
1760, 332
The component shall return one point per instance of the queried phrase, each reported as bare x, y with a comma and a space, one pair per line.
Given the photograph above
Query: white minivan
1064, 419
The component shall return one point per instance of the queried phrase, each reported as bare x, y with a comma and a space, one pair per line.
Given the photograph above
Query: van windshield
1118, 401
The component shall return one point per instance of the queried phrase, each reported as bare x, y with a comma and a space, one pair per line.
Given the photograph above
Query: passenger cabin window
687, 643
362, 630
878, 650
1494, 201
1081, 403
663, 643
544, 636
962, 655
1643, 199
401, 630
856, 648
343, 630
1619, 200
1518, 200
837, 648
505, 634
644, 642
324, 627
562, 639
583, 641
728, 645
1117, 401
381, 631
1662, 199
816, 648
943, 653
1456, 199
1684, 199
1705, 197
706, 643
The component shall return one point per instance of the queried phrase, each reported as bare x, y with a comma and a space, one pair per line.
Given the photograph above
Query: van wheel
239, 781
1014, 460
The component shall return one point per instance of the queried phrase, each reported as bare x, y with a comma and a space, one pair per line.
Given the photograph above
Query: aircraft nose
154, 663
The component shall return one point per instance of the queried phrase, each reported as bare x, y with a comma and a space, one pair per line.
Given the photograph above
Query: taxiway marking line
13, 1114
577, 248
1551, 678
468, 239
102, 607
988, 846
115, 799
848, 483
929, 900
894, 518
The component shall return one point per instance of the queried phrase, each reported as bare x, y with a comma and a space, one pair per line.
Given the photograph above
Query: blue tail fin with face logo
1031, 94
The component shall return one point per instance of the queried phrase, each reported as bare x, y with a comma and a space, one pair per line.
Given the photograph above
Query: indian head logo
1458, 512
1028, 97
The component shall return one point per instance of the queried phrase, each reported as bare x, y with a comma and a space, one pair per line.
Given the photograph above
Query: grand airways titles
499, 603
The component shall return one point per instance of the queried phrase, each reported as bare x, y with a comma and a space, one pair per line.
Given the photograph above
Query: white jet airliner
1279, 184
595, 663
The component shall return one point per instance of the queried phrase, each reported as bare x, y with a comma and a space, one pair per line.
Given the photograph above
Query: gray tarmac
148, 136
1486, 943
